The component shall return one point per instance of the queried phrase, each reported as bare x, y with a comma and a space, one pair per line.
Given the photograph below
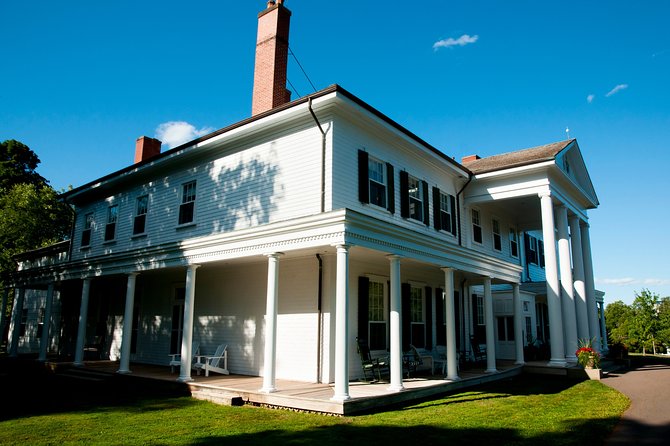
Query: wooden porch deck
314, 397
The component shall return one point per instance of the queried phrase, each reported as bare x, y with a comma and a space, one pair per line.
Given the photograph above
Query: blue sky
80, 81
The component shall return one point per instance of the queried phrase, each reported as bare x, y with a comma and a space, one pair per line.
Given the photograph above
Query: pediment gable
571, 162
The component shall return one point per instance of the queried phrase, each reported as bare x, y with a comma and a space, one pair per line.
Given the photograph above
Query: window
140, 220
24, 322
375, 182
88, 227
540, 251
415, 191
418, 325
529, 328
444, 211
413, 198
513, 242
505, 328
110, 227
40, 323
476, 227
187, 206
376, 316
480, 311
532, 250
497, 239
177, 320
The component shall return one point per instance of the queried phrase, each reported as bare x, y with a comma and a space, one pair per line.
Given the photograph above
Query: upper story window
444, 211
140, 220
531, 250
476, 226
375, 182
413, 198
497, 238
88, 228
513, 242
110, 227
540, 252
187, 206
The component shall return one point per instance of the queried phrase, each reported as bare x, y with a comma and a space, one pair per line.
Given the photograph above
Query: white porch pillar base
124, 366
272, 300
187, 331
518, 324
15, 322
395, 326
44, 340
551, 277
452, 356
567, 290
83, 316
490, 333
341, 391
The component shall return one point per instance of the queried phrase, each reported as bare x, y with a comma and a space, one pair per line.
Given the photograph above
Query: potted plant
588, 358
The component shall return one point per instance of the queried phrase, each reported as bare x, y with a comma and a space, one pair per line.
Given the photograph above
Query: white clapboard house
314, 222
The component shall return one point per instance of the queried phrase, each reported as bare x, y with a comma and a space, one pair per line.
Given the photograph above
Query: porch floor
315, 397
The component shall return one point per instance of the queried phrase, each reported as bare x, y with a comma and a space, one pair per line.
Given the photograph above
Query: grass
525, 410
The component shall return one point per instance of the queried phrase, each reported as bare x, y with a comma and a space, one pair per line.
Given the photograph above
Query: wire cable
301, 68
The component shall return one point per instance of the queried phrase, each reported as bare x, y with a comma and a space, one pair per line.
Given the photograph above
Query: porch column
589, 284
452, 356
15, 322
3, 314
567, 290
44, 341
551, 277
490, 332
395, 326
83, 316
187, 330
127, 334
578, 273
270, 358
342, 325
603, 329
518, 324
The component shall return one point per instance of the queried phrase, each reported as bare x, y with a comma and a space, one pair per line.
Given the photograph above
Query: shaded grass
525, 410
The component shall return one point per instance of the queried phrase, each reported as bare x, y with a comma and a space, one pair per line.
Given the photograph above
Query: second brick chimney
271, 58
146, 148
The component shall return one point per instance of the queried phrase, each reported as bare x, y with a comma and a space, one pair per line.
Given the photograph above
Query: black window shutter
406, 316
363, 306
452, 202
363, 186
441, 337
404, 194
429, 317
437, 220
426, 205
390, 188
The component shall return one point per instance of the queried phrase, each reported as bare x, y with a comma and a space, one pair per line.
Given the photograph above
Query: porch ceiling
525, 210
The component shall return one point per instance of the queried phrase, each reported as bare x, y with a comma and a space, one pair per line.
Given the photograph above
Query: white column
490, 332
187, 330
452, 356
578, 273
272, 301
83, 316
395, 326
3, 313
15, 322
589, 284
518, 324
567, 291
551, 277
46, 326
603, 329
341, 391
127, 334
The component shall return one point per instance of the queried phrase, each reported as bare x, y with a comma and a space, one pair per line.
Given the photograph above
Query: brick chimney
469, 159
146, 148
271, 58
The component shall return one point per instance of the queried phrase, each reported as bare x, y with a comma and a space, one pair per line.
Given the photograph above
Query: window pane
377, 194
376, 170
414, 189
418, 335
188, 192
86, 237
139, 223
142, 205
186, 213
416, 304
501, 328
376, 301
112, 214
510, 328
377, 336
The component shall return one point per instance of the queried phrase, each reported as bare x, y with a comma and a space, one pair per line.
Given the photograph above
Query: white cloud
465, 39
656, 282
590, 98
625, 281
616, 89
174, 133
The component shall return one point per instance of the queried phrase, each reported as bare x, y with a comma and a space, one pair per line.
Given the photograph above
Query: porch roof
518, 158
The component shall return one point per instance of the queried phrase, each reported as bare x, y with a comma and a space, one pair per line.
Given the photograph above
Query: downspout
319, 319
323, 156
458, 209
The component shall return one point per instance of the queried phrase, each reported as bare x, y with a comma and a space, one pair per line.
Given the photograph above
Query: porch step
84, 374
218, 396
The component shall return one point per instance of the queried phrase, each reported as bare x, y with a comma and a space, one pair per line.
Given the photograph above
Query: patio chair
411, 360
175, 358
218, 362
440, 358
369, 364
478, 350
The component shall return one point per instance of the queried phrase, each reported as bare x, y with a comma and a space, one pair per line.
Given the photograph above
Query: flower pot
596, 374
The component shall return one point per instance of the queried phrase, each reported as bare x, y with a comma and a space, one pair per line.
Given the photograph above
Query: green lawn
525, 410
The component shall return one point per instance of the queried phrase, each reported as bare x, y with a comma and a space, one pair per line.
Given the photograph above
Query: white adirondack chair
175, 358
216, 363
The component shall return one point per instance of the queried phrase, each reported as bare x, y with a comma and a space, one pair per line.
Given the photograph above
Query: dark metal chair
478, 350
371, 366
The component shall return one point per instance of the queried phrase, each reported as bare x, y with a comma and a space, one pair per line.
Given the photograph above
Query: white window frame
496, 234
382, 283
110, 223
415, 197
476, 218
445, 213
481, 317
141, 212
421, 299
377, 176
89, 223
513, 242
532, 247
188, 197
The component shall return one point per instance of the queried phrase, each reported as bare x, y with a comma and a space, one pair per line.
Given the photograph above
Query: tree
646, 318
618, 320
664, 322
17, 165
